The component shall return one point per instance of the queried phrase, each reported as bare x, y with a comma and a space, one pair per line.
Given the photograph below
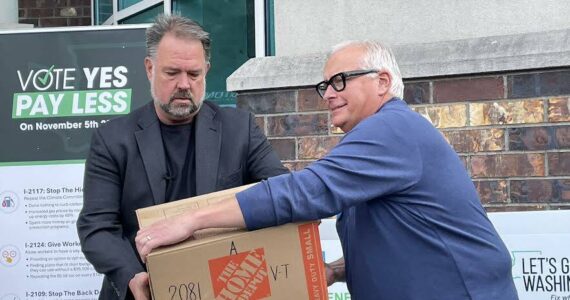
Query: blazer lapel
208, 144
149, 141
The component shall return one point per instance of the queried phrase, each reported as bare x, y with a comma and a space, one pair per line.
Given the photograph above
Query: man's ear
207, 67
384, 83
148, 65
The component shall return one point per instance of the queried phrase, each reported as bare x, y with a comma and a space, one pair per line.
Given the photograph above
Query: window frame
260, 7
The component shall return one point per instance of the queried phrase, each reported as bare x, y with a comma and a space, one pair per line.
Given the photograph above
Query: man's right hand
139, 286
223, 214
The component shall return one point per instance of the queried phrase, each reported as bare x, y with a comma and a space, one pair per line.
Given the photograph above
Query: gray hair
377, 56
181, 27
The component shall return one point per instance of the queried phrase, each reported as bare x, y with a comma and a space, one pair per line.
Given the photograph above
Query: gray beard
179, 112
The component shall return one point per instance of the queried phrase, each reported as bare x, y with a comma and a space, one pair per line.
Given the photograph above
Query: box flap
221, 234
148, 215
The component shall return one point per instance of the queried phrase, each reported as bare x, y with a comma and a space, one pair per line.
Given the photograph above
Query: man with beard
177, 146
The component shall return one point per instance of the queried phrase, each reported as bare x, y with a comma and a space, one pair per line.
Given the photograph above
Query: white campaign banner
40, 253
56, 88
539, 243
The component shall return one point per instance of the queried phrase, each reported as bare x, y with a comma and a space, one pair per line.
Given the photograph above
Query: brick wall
512, 131
54, 13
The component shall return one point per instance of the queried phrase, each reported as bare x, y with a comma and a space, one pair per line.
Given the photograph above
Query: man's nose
183, 82
329, 93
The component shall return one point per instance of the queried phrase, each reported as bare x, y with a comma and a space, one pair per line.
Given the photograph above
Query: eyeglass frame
344, 76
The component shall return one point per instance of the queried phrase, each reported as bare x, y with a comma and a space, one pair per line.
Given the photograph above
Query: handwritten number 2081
190, 291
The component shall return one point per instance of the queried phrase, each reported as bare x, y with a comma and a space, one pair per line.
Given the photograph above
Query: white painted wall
9, 16
309, 26
9, 11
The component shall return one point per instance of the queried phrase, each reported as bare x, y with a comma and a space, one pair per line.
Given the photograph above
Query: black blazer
125, 170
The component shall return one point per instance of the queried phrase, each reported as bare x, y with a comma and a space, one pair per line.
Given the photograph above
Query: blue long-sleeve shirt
411, 224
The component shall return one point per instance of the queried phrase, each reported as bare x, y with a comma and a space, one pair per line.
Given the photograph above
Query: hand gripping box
283, 262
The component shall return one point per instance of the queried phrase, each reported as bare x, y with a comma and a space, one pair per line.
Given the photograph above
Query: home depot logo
241, 276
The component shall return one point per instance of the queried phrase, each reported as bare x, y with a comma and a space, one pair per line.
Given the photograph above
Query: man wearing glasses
409, 219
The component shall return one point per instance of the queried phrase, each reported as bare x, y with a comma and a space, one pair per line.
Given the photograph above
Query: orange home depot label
313, 261
240, 276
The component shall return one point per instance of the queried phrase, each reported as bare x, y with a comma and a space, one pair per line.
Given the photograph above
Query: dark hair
181, 27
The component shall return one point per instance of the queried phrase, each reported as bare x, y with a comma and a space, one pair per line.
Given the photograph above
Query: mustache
182, 94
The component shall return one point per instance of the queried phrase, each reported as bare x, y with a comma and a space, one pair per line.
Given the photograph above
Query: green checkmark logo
44, 79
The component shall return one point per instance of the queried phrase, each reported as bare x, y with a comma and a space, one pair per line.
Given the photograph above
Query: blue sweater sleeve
378, 157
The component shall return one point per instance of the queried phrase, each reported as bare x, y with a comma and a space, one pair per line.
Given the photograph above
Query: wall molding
539, 50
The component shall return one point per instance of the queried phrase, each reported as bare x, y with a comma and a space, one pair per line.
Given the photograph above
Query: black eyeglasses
338, 81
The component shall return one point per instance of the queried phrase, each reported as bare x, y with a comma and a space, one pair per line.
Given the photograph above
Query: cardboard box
283, 262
